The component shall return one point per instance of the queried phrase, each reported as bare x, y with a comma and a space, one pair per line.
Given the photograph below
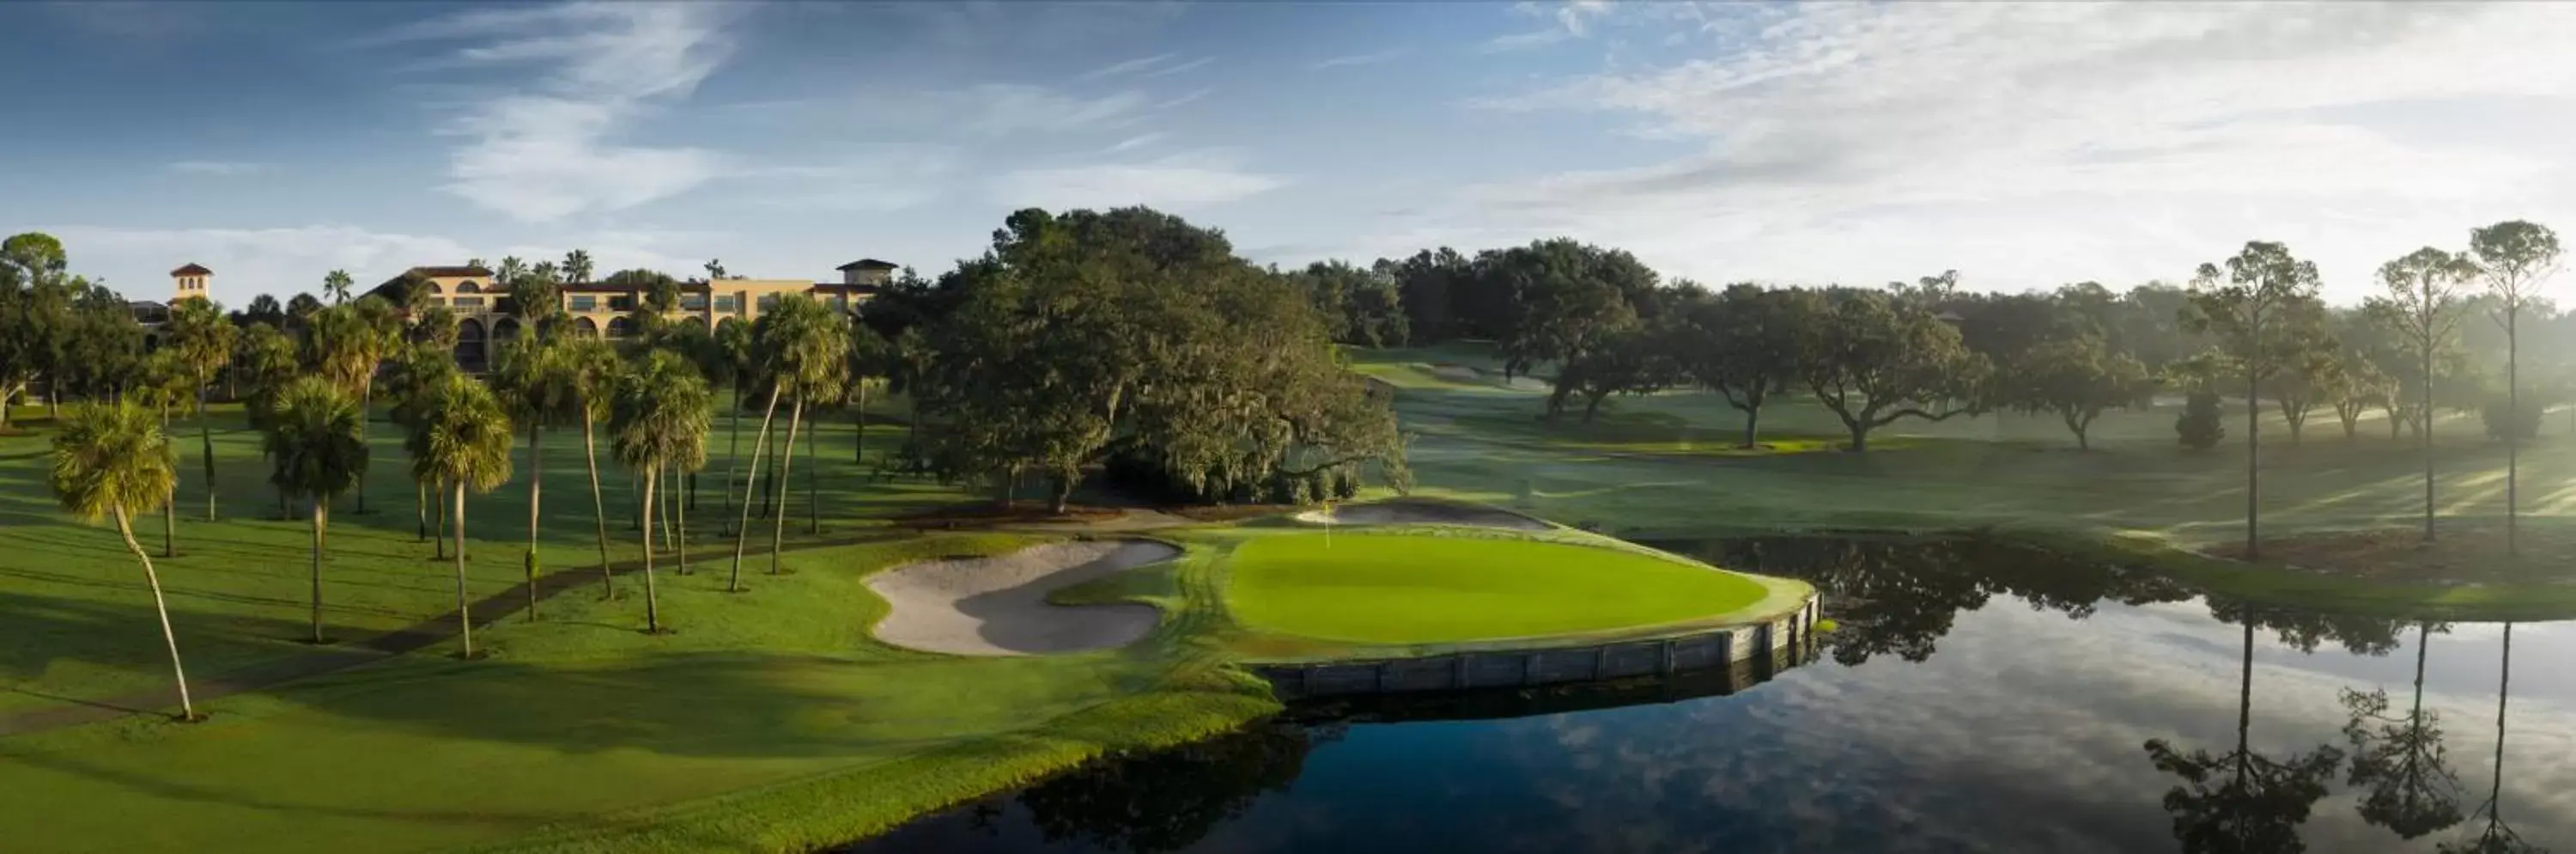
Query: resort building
485, 315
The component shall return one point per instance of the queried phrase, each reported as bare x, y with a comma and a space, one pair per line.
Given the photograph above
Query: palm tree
733, 341
204, 339
530, 379
419, 372
268, 361
511, 270
336, 283
659, 419
590, 369
317, 444
576, 267
810, 358
462, 440
112, 459
870, 354
165, 387
349, 342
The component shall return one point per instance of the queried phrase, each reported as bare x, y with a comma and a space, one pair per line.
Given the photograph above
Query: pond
1976, 696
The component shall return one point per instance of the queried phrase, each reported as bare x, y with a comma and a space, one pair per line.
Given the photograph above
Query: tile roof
866, 264
192, 270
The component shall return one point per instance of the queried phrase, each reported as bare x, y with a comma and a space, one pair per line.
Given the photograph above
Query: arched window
618, 327
468, 287
583, 327
433, 288
470, 352
505, 329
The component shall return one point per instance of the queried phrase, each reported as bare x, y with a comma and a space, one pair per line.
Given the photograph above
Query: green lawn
768, 721
1374, 588
1658, 466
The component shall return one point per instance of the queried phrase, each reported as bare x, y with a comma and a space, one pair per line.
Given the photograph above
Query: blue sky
2025, 145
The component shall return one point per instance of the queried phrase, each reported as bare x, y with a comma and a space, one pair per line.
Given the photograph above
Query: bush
2499, 410
1345, 485
2199, 425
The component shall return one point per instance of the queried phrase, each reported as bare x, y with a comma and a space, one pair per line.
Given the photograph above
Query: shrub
2499, 410
1346, 486
2199, 425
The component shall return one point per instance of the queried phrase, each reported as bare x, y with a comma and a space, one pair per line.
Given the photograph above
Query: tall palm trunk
187, 709
661, 504
366, 393
536, 490
169, 505
813, 484
742, 532
652, 599
598, 507
680, 536
206, 450
733, 455
786, 461
321, 510
464, 609
859, 436
2253, 453
442, 525
420, 510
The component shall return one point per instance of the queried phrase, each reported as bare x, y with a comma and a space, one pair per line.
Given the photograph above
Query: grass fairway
1425, 589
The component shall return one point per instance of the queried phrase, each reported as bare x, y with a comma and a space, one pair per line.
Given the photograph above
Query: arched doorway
505, 329
471, 356
619, 328
584, 327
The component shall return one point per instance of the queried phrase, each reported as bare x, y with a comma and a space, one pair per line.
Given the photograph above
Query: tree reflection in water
1898, 596
2242, 802
2498, 837
2399, 760
1168, 800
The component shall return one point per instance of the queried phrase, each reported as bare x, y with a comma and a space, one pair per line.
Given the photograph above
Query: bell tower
189, 282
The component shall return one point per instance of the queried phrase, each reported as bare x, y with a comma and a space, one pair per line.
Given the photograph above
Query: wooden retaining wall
1678, 653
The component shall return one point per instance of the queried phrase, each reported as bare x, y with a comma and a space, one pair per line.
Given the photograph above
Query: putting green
1410, 589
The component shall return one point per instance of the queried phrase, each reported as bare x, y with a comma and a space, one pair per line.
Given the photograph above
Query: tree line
1075, 339
2252, 325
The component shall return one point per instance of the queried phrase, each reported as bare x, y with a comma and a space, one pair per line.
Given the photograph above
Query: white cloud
542, 151
1200, 178
218, 168
1128, 67
1008, 108
1348, 60
1566, 20
2029, 144
1135, 142
1191, 65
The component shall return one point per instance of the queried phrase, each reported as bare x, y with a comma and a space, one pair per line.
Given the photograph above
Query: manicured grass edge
855, 803
2226, 578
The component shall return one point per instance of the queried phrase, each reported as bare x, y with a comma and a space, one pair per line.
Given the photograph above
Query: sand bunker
1404, 512
997, 605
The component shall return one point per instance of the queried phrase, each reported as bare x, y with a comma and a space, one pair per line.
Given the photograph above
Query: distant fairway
1405, 589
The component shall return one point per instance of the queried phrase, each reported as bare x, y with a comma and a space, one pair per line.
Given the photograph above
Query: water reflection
1949, 721
2243, 801
2399, 759
1169, 800
2497, 837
